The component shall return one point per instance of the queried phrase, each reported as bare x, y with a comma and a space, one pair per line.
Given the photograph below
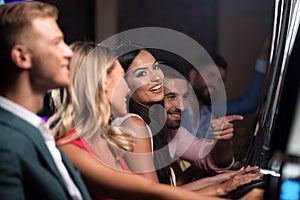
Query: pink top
81, 143
185, 145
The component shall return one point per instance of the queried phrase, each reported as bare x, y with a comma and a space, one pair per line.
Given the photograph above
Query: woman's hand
224, 176
243, 176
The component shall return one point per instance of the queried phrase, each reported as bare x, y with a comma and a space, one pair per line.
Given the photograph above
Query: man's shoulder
8, 119
12, 130
5, 115
12, 138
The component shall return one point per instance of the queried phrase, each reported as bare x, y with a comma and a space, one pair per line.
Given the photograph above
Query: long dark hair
160, 144
126, 53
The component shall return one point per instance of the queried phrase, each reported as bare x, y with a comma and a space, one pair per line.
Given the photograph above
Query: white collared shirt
37, 122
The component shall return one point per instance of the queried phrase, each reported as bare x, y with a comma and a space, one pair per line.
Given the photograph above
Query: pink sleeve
195, 150
81, 143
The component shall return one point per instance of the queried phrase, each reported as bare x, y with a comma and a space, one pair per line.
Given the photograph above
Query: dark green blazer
27, 170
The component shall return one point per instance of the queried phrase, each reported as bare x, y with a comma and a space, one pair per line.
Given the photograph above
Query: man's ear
192, 75
21, 56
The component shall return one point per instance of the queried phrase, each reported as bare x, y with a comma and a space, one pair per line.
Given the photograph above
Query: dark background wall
76, 19
234, 28
195, 18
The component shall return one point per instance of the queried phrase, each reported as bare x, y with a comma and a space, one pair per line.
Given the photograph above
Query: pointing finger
231, 118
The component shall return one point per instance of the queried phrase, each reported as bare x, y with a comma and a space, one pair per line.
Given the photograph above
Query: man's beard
173, 124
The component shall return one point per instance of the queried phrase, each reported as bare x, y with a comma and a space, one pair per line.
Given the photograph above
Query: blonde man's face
49, 54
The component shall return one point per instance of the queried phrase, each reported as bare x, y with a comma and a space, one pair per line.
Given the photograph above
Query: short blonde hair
15, 18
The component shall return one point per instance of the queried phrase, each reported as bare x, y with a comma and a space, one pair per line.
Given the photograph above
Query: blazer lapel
34, 136
75, 175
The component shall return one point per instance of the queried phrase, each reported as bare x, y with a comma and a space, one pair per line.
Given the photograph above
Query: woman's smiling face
144, 78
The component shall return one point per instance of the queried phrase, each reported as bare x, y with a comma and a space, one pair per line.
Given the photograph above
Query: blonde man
34, 58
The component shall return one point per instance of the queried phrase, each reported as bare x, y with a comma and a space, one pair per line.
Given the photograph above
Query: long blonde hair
84, 104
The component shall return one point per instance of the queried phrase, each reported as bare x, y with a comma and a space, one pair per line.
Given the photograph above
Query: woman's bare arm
116, 184
141, 160
244, 176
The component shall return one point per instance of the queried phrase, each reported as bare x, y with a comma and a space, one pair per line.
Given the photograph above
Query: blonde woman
94, 74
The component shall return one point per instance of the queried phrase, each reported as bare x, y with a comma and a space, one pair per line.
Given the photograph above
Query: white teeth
156, 88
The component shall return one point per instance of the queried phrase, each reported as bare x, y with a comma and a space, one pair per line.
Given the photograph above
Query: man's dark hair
218, 60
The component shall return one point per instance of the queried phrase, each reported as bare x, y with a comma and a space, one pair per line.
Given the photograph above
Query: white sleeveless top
119, 120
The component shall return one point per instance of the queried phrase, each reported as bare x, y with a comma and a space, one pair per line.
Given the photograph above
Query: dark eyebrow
176, 94
186, 94
58, 38
156, 63
143, 68
171, 93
